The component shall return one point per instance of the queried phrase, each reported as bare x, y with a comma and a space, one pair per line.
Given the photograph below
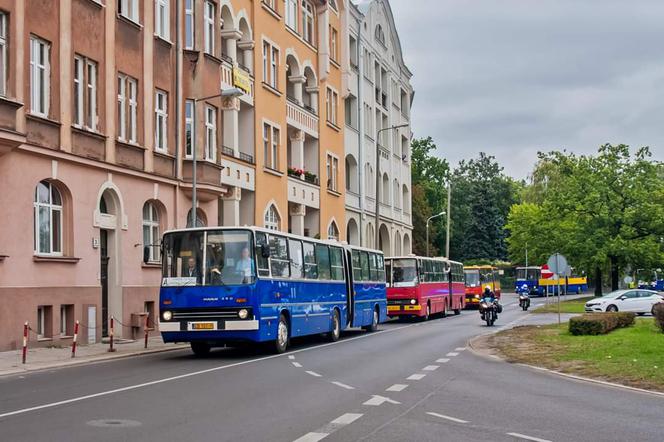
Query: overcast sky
512, 77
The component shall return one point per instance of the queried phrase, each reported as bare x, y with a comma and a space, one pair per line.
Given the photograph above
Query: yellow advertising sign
241, 80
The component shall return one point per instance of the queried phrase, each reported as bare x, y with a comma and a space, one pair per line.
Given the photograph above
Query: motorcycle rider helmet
487, 291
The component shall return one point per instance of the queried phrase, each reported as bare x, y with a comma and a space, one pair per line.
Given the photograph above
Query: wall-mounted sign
241, 80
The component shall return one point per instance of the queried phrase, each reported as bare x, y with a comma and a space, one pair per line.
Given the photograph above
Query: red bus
421, 287
477, 279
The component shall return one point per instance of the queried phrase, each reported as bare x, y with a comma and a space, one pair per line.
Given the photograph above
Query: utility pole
427, 228
449, 219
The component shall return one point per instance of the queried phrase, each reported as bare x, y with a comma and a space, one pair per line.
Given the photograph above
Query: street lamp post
449, 212
226, 93
377, 239
428, 220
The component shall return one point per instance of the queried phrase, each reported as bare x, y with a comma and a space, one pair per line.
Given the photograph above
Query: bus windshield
472, 278
404, 272
529, 274
209, 258
486, 275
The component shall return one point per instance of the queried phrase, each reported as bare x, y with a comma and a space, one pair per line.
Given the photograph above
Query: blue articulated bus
226, 285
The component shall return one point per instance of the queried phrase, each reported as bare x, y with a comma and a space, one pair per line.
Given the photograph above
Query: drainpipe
178, 103
360, 127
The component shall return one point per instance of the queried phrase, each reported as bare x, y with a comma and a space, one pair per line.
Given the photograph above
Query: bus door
350, 289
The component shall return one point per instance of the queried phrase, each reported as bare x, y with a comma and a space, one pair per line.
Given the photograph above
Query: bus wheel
200, 349
374, 322
281, 343
457, 311
444, 312
334, 334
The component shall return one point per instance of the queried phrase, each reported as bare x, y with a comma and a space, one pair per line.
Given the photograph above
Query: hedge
599, 323
658, 312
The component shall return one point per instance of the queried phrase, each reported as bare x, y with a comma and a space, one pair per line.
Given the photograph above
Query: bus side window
381, 268
364, 261
357, 268
323, 258
262, 264
310, 265
336, 260
279, 257
296, 261
373, 267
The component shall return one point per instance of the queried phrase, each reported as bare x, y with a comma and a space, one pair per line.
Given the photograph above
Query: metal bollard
145, 328
110, 332
25, 341
73, 344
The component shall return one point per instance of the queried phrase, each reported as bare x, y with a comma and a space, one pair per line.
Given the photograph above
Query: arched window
396, 193
272, 220
380, 35
308, 21
371, 236
151, 232
397, 244
201, 219
48, 220
333, 231
385, 197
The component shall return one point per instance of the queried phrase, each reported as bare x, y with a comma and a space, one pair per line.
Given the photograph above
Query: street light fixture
429, 219
226, 93
377, 239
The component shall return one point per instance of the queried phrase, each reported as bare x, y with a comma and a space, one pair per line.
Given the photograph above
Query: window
3, 54
127, 108
332, 98
272, 4
380, 35
210, 10
47, 220
270, 65
188, 127
128, 9
151, 230
66, 320
85, 101
291, 14
78, 91
323, 258
357, 268
332, 172
189, 24
308, 21
262, 263
296, 260
161, 19
336, 264
352, 49
271, 144
334, 53
210, 133
41, 322
40, 74
274, 71
161, 121
272, 220
279, 262
310, 264
333, 231
350, 104
91, 97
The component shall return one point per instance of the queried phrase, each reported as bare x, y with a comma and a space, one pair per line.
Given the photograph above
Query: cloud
512, 77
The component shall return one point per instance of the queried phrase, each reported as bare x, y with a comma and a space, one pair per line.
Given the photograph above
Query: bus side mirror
265, 251
146, 254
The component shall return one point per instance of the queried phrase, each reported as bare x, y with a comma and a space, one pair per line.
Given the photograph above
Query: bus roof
529, 268
270, 231
435, 258
482, 267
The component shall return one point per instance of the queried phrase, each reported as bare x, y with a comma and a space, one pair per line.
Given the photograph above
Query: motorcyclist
488, 297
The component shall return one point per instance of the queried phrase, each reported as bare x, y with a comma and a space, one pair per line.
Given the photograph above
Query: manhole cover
114, 423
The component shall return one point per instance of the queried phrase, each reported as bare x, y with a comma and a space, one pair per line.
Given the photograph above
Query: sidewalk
44, 358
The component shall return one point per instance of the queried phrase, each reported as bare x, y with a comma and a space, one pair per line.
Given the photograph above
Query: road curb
75, 362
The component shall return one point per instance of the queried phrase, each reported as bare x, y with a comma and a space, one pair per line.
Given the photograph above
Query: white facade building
378, 96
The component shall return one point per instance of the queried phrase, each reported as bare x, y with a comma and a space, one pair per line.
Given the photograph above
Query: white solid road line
297, 364
339, 384
312, 437
313, 373
449, 418
379, 400
397, 387
192, 374
347, 418
431, 367
452, 353
415, 377
523, 436
442, 360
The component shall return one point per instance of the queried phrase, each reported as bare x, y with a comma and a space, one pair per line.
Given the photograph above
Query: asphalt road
408, 382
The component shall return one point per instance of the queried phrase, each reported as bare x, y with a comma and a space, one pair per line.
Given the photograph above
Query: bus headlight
243, 313
413, 301
167, 315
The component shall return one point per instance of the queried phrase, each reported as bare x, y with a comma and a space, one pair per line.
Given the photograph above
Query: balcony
237, 174
308, 177
302, 192
228, 81
381, 98
247, 158
301, 118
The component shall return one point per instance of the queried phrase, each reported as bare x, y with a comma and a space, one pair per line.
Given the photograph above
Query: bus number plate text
202, 326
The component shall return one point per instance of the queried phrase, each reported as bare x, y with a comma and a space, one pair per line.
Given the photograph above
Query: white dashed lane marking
431, 367
291, 357
330, 428
460, 349
449, 418
297, 364
523, 436
312, 437
339, 384
397, 387
452, 353
347, 418
415, 377
313, 373
442, 360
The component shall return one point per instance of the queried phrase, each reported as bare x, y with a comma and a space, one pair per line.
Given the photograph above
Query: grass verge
571, 306
631, 356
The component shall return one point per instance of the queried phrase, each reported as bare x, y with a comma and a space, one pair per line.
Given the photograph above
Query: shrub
658, 312
599, 323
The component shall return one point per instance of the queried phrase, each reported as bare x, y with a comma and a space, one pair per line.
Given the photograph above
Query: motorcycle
489, 312
524, 301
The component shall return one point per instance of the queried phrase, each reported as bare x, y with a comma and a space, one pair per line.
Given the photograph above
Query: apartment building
103, 106
378, 96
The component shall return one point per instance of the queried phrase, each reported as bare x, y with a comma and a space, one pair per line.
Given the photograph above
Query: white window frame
63, 320
161, 121
189, 25
210, 11
151, 222
128, 9
133, 108
79, 77
3, 54
332, 98
334, 36
162, 20
308, 12
189, 109
40, 95
290, 10
333, 231
266, 50
271, 144
332, 168
54, 210
41, 321
272, 220
274, 67
91, 94
127, 108
210, 133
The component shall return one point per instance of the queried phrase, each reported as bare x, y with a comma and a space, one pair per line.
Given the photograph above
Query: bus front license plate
202, 326
393, 308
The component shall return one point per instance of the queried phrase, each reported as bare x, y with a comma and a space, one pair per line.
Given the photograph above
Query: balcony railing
302, 118
247, 158
309, 177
